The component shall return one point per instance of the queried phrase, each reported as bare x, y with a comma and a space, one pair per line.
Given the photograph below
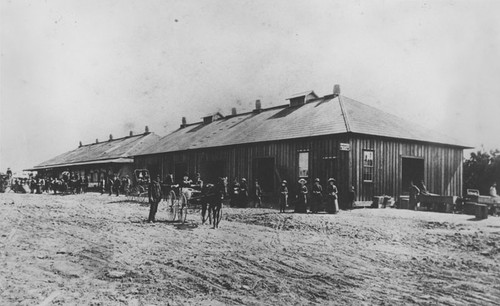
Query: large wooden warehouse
100, 159
312, 137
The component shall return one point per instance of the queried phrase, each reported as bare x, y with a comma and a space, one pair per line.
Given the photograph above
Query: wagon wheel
183, 205
171, 211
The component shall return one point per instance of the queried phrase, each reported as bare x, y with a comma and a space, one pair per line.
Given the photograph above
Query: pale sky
79, 70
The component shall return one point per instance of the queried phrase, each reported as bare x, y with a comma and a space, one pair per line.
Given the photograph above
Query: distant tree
481, 169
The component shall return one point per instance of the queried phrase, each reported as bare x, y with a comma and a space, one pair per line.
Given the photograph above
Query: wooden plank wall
442, 166
239, 159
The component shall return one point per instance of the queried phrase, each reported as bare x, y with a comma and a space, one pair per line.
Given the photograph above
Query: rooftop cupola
302, 98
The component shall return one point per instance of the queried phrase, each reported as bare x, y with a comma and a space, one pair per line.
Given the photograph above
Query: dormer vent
211, 118
302, 98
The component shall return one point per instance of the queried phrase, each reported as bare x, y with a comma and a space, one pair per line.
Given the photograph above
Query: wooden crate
481, 211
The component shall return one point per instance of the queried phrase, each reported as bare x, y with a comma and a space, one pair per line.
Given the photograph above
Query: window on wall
367, 166
304, 164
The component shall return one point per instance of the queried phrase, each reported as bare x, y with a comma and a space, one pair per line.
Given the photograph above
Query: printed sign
345, 147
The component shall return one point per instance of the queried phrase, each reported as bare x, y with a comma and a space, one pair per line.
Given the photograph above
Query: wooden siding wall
442, 166
239, 160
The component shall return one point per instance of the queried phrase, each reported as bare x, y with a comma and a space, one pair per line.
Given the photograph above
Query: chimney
80, 145
131, 133
233, 111
110, 137
146, 130
96, 140
336, 90
184, 122
258, 107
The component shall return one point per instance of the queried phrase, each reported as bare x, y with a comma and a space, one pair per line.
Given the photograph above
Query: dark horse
213, 195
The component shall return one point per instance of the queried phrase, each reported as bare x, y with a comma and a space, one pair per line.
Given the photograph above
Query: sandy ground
97, 250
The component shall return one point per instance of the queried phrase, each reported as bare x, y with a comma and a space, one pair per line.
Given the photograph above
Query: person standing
244, 193
109, 186
283, 200
155, 197
351, 198
235, 194
117, 185
301, 206
126, 185
493, 190
257, 194
198, 182
317, 197
332, 193
414, 192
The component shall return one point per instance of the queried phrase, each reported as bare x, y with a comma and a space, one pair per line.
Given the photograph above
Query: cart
138, 191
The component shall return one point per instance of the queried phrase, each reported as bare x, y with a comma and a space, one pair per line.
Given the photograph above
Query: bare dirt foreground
97, 250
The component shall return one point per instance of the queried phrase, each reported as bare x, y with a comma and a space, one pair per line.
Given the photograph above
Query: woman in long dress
302, 200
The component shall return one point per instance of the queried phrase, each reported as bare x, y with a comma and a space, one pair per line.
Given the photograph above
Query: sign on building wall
345, 147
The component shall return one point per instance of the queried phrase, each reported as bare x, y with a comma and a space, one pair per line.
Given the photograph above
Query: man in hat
317, 197
116, 185
332, 193
302, 197
155, 196
283, 200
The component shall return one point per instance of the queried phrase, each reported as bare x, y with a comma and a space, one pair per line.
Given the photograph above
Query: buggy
138, 191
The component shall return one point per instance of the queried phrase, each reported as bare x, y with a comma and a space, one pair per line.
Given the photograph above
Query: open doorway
413, 170
263, 170
210, 171
180, 170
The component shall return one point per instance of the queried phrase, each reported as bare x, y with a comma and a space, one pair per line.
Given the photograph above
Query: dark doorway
328, 170
413, 170
210, 171
180, 169
263, 170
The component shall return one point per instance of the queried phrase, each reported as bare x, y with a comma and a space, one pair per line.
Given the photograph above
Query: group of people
241, 194
318, 200
44, 184
114, 184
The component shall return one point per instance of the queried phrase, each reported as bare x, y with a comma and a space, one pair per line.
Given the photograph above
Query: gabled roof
323, 116
112, 151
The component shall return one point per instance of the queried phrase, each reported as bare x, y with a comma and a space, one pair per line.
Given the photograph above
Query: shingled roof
120, 150
328, 115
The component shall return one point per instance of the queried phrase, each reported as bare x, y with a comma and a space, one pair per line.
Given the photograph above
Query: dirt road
97, 250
